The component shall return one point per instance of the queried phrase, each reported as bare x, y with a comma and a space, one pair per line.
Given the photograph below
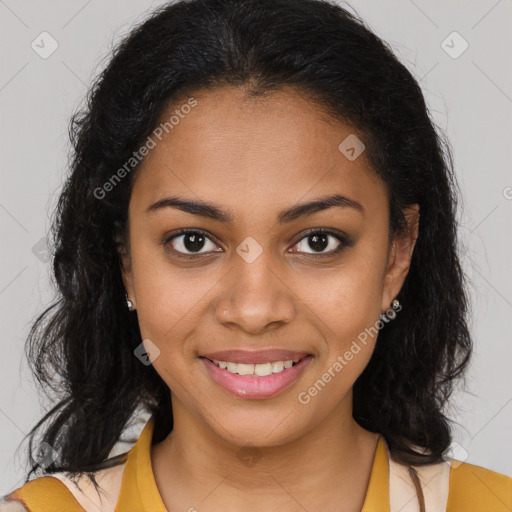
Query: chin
272, 429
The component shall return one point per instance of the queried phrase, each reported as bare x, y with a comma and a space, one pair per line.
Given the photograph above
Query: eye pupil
318, 242
193, 241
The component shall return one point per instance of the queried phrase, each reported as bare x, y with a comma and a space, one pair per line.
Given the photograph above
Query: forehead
278, 148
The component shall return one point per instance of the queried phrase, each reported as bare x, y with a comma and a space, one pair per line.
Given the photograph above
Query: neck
328, 465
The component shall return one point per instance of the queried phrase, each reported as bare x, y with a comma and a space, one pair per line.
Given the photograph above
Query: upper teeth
260, 370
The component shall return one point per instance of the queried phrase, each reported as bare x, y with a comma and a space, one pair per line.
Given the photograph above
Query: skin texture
254, 158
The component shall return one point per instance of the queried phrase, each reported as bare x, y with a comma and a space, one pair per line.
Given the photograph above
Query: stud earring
395, 304
129, 303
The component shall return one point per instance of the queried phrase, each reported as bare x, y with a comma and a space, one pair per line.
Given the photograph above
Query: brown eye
322, 242
190, 243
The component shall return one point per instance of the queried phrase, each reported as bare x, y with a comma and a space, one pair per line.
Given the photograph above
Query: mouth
255, 370
262, 378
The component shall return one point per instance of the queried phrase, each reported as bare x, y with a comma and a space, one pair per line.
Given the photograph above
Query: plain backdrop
459, 51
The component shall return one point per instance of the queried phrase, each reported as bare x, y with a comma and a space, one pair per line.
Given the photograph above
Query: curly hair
82, 345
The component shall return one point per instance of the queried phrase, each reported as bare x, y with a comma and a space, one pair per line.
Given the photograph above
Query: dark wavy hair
82, 346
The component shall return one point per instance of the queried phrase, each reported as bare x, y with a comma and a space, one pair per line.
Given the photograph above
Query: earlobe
400, 256
129, 303
126, 275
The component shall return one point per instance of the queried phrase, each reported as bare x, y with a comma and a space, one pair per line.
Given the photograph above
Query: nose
255, 298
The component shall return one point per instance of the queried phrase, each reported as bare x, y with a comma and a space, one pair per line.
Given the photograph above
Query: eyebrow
212, 211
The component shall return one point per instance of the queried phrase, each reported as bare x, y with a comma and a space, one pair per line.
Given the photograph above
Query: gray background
469, 96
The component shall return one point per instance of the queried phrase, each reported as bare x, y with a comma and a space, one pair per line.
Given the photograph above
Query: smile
255, 380
258, 370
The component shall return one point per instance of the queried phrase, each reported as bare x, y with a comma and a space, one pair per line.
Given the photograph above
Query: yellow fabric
472, 488
476, 489
377, 493
46, 494
139, 492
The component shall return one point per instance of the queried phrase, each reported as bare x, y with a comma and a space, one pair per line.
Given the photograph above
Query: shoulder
43, 494
478, 489
40, 495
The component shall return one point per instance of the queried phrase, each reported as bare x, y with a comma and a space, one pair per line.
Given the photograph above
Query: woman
257, 245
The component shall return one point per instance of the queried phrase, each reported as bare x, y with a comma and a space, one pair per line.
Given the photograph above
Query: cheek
169, 300
348, 298
346, 303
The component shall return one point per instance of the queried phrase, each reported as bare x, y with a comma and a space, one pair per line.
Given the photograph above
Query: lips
254, 387
255, 357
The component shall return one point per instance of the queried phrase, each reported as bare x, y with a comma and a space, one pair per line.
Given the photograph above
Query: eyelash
342, 239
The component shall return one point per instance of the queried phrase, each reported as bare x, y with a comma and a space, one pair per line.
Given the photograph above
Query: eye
319, 240
189, 243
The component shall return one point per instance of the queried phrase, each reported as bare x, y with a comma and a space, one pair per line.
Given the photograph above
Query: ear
400, 256
125, 264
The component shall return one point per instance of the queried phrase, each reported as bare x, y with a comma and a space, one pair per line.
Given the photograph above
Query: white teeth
278, 366
245, 369
260, 370
263, 370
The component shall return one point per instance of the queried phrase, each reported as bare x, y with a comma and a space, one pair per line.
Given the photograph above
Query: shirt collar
139, 490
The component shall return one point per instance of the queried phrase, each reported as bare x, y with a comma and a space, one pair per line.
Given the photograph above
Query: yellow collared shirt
471, 488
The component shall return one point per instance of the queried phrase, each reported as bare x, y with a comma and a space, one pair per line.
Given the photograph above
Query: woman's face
251, 272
